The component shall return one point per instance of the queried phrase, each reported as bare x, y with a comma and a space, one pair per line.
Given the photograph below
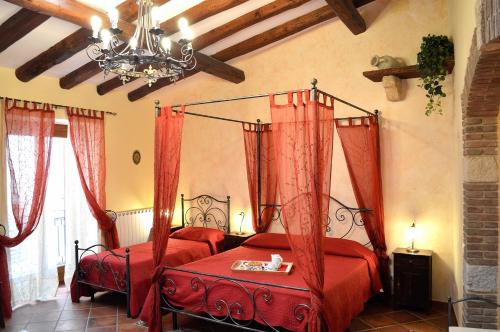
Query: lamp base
412, 250
239, 233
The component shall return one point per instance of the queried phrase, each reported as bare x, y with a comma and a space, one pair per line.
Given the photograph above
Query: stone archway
480, 105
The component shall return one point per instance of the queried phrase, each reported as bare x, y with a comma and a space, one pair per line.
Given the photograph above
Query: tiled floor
108, 314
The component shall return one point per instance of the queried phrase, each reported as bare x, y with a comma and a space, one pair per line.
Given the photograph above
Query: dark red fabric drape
86, 129
29, 132
303, 141
268, 174
361, 145
168, 137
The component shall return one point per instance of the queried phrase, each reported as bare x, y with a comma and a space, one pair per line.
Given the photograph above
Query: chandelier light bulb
133, 43
106, 38
187, 34
166, 43
155, 16
183, 24
95, 23
113, 15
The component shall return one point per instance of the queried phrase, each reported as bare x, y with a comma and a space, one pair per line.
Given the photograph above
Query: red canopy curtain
361, 145
29, 132
86, 129
168, 137
303, 141
268, 175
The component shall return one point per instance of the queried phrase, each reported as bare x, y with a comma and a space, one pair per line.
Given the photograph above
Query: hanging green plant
431, 65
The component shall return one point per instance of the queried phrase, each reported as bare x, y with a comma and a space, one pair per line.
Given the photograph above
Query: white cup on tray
276, 261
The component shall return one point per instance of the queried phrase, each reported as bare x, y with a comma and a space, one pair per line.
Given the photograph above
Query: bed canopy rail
315, 93
258, 124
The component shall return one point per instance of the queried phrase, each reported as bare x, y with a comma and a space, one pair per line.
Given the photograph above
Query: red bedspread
351, 278
141, 268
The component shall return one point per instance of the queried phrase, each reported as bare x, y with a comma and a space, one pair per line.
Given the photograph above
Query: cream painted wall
419, 154
462, 22
128, 186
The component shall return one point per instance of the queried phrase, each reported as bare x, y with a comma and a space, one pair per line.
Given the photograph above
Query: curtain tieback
157, 274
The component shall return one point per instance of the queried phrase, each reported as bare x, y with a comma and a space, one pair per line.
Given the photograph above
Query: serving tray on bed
259, 267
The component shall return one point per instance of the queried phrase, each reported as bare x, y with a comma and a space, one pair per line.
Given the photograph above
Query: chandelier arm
145, 57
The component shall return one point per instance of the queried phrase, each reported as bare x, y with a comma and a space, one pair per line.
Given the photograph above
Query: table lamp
412, 234
242, 214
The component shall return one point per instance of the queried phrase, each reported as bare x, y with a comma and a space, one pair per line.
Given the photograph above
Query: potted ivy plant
434, 53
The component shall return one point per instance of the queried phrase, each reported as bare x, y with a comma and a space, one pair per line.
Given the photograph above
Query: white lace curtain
33, 263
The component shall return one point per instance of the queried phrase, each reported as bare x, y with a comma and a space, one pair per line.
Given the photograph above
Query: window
65, 217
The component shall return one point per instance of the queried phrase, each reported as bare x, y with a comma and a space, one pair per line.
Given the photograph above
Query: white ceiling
53, 30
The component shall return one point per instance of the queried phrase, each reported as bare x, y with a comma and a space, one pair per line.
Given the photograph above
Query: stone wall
480, 102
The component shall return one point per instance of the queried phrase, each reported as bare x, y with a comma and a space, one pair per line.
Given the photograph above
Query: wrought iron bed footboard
203, 210
121, 279
228, 310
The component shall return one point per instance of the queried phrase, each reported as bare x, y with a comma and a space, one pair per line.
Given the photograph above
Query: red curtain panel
168, 137
303, 140
268, 174
361, 145
29, 132
86, 129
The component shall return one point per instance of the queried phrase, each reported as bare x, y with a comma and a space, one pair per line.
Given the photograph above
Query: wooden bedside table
413, 278
233, 240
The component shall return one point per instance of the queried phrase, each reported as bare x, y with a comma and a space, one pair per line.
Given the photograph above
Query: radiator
133, 226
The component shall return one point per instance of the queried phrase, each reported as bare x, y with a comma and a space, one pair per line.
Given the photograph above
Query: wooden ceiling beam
221, 32
349, 15
71, 11
79, 14
255, 16
68, 47
19, 25
199, 12
254, 43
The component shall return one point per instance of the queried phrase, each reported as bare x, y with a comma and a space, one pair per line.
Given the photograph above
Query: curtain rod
54, 105
262, 95
157, 107
355, 117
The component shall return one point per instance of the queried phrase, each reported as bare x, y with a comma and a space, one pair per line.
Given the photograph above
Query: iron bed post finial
157, 107
314, 89
376, 112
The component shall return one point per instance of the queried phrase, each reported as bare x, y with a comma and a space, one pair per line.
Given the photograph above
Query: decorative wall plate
136, 157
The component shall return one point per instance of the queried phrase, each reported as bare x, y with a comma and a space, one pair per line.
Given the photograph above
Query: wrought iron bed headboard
205, 210
348, 217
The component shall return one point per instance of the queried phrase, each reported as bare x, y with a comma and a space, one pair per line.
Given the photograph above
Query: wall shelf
401, 72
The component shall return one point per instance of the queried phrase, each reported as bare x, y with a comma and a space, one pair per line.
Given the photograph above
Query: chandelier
148, 54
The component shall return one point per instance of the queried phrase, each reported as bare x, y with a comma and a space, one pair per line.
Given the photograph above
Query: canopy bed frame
315, 91
202, 211
261, 290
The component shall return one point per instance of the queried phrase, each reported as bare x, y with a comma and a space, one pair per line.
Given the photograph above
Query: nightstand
233, 240
413, 279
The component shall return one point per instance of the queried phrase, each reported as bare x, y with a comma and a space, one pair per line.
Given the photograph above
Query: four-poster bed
291, 155
128, 270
